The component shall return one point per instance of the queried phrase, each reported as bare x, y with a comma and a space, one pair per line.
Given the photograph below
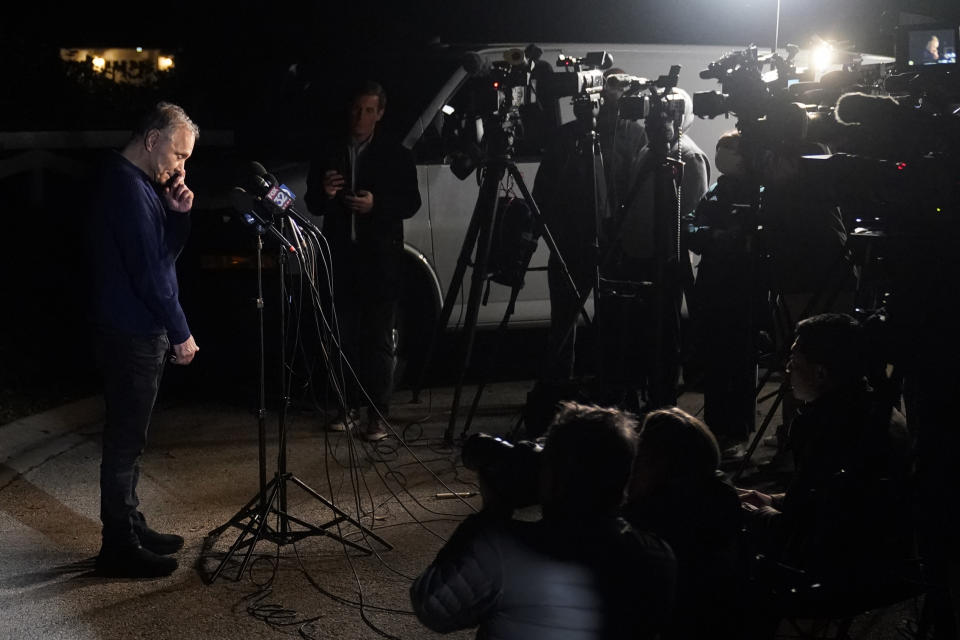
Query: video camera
503, 105
654, 101
747, 91
511, 470
581, 76
514, 101
896, 155
779, 104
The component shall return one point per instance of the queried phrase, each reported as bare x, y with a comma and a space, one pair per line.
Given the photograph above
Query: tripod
479, 236
254, 518
823, 299
648, 279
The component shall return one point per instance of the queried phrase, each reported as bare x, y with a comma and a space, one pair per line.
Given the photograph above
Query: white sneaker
374, 431
345, 422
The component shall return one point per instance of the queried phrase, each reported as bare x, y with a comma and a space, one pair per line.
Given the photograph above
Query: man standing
365, 186
614, 225
140, 221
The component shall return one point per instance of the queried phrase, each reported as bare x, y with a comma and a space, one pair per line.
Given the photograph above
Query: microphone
860, 108
243, 202
278, 197
264, 183
259, 170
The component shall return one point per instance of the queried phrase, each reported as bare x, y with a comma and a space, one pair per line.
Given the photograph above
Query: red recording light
496, 85
901, 166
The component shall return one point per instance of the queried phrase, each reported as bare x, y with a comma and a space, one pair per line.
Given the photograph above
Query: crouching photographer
580, 571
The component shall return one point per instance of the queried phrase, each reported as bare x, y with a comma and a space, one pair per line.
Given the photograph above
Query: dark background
266, 71
232, 57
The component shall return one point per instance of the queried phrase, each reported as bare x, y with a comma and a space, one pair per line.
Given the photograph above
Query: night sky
320, 29
232, 57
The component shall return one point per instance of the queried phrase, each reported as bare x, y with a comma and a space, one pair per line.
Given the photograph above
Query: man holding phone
364, 185
139, 224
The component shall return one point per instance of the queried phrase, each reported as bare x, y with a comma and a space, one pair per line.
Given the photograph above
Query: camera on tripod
504, 107
773, 106
654, 101
581, 77
510, 470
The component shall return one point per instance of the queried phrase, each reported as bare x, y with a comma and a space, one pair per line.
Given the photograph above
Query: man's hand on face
361, 203
177, 195
184, 352
332, 182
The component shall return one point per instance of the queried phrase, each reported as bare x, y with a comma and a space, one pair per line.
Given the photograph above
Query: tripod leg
463, 261
759, 435
245, 512
556, 345
256, 526
546, 233
488, 196
501, 332
342, 515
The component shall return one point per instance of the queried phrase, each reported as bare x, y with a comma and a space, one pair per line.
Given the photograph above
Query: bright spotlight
99, 63
164, 63
822, 57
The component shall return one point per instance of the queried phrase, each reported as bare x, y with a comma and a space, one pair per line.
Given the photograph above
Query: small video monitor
923, 46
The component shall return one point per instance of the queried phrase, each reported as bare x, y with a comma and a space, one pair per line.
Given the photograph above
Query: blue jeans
132, 367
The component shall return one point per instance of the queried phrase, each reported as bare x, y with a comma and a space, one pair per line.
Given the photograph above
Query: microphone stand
253, 518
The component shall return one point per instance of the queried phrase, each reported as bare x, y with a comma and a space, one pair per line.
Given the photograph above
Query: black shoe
162, 544
132, 562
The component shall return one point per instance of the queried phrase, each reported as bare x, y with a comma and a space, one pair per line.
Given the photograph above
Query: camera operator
626, 207
579, 572
648, 250
841, 531
365, 185
678, 492
766, 241
567, 205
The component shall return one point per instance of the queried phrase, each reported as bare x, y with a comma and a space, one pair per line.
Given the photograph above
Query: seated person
844, 522
579, 572
678, 493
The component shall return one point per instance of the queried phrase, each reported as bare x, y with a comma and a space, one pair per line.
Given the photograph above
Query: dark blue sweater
135, 242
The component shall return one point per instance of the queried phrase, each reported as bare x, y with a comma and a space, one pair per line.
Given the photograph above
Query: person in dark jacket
759, 238
678, 493
364, 185
623, 221
572, 211
139, 224
579, 573
843, 525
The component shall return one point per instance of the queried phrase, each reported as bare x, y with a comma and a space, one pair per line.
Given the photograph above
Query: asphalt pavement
199, 471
